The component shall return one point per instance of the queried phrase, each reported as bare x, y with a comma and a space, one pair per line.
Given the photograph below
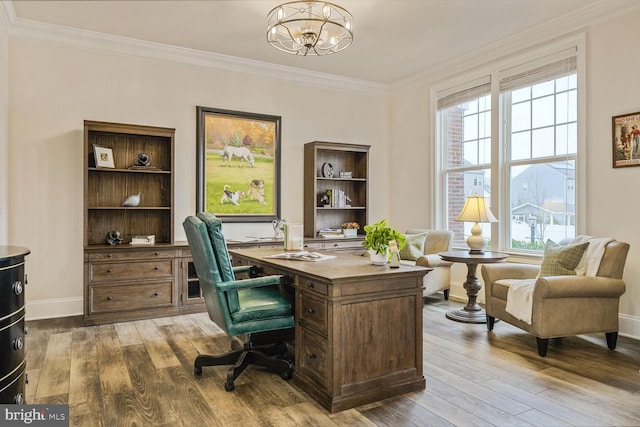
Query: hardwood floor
141, 374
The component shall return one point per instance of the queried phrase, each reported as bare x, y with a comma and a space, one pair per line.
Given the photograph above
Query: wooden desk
358, 326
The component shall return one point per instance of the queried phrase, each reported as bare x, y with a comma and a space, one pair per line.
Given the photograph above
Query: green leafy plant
378, 236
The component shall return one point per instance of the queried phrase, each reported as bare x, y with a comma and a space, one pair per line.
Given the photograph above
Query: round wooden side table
471, 312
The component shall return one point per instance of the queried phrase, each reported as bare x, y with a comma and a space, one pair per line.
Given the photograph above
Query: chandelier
309, 28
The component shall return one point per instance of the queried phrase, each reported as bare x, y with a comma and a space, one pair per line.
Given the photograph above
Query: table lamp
476, 210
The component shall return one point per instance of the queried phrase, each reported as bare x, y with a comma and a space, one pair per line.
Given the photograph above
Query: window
535, 152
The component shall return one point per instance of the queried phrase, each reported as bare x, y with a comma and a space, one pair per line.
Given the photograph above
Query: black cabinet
12, 326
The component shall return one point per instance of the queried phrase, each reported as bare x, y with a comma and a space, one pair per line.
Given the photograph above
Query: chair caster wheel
197, 370
287, 375
229, 386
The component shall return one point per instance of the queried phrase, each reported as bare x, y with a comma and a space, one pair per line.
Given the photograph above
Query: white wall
55, 86
613, 88
4, 135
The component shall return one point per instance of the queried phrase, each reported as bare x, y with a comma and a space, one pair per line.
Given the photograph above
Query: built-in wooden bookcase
124, 281
107, 188
352, 158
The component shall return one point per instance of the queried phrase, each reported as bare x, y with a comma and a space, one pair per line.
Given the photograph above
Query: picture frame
238, 165
626, 140
103, 157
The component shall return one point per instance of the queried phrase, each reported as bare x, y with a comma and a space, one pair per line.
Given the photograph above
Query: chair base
273, 357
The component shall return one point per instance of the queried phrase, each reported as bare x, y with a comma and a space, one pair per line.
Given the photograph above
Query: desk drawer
312, 360
130, 270
123, 297
12, 386
126, 255
12, 289
307, 284
313, 313
343, 245
11, 344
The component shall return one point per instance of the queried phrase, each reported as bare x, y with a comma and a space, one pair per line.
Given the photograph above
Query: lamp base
476, 252
476, 242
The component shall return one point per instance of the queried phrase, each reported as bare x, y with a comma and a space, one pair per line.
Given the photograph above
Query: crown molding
50, 33
539, 35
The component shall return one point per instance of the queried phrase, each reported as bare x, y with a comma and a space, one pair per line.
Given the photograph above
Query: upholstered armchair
422, 249
252, 311
559, 305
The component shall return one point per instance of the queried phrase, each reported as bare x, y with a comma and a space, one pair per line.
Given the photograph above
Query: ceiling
393, 39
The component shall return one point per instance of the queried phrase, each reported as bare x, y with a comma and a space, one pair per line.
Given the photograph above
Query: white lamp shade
476, 209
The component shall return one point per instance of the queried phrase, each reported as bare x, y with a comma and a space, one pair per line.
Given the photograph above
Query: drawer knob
17, 288
109, 256
17, 344
109, 271
310, 285
156, 253
311, 310
312, 356
109, 298
335, 245
156, 268
19, 399
155, 294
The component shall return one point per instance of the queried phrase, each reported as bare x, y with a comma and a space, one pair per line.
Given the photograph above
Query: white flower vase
377, 258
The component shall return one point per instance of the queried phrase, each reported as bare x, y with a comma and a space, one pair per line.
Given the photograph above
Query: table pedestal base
471, 312
462, 315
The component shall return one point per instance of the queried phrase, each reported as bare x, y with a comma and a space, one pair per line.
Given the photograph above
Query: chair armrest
493, 272
578, 287
255, 282
241, 269
432, 260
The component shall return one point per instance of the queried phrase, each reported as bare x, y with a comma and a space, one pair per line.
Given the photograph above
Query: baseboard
629, 326
54, 308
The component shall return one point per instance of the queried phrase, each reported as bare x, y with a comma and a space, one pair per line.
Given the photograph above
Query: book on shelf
143, 240
331, 233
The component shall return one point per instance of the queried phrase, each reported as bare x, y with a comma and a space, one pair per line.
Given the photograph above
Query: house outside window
526, 170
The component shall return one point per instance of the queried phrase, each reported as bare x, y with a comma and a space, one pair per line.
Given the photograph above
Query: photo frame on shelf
626, 140
238, 165
103, 157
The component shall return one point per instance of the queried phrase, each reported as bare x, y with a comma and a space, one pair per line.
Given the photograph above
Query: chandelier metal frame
309, 28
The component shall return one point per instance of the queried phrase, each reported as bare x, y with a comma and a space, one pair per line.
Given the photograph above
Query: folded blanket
520, 299
590, 262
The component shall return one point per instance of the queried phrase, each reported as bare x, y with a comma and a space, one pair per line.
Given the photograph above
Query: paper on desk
301, 256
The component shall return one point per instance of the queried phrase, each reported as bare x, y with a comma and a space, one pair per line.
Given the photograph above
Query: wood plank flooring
141, 374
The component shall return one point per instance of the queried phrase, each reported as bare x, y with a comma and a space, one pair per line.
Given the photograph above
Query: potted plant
377, 238
350, 229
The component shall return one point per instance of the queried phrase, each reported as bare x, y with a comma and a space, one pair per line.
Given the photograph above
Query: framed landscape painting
238, 165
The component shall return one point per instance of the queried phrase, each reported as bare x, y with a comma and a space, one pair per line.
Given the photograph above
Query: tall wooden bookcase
124, 282
319, 157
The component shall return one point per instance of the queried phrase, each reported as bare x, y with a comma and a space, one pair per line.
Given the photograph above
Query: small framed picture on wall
626, 140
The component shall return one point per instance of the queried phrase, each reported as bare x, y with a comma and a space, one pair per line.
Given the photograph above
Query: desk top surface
343, 266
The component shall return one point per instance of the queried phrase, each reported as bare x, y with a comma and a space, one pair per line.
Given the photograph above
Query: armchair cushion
561, 260
414, 247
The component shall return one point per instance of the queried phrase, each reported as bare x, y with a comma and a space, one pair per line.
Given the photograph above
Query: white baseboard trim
54, 308
629, 326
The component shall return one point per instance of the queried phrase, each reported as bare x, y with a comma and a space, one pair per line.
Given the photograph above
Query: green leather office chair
249, 310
